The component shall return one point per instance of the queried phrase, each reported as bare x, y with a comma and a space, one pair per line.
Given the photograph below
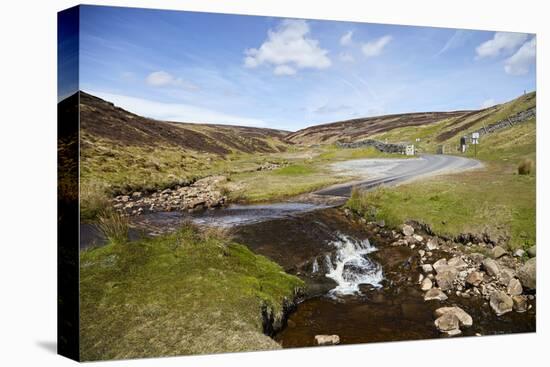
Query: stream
358, 286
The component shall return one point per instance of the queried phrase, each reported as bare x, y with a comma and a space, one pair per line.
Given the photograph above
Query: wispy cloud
501, 42
374, 48
346, 39
288, 48
520, 62
459, 37
178, 112
164, 79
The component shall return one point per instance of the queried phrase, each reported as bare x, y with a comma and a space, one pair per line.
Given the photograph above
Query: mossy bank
190, 292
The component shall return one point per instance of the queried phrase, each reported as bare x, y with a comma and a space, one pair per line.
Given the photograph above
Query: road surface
386, 172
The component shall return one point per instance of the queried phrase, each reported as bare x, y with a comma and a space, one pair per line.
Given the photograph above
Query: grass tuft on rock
189, 292
526, 167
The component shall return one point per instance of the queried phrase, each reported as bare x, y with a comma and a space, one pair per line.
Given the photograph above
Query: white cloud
176, 111
488, 103
164, 79
284, 70
346, 39
346, 57
374, 48
520, 62
501, 42
288, 48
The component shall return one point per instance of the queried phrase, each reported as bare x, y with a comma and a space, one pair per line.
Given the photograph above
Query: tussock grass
93, 200
189, 292
114, 226
526, 167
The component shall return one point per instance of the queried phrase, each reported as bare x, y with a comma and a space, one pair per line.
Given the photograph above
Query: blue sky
291, 73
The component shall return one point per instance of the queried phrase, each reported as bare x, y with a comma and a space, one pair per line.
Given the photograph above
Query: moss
184, 293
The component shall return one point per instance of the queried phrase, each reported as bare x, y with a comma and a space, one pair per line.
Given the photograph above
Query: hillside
100, 119
432, 128
362, 128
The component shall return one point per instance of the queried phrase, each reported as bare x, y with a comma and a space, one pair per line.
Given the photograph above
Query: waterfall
351, 265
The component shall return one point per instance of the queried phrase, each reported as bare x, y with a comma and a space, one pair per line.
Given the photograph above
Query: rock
327, 339
474, 278
476, 257
491, 267
501, 303
527, 273
445, 277
519, 253
439, 264
421, 253
463, 317
506, 275
432, 244
407, 230
458, 263
532, 251
514, 287
435, 294
136, 195
427, 268
426, 284
497, 252
381, 223
417, 237
448, 324
124, 198
520, 303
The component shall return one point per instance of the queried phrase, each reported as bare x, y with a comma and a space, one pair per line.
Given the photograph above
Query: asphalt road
391, 171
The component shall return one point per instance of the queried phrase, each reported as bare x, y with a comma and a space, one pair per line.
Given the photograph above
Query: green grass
184, 293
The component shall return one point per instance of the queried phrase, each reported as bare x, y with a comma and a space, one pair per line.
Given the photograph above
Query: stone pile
203, 194
503, 280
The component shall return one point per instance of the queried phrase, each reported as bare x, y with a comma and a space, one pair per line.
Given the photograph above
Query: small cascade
350, 265
315, 267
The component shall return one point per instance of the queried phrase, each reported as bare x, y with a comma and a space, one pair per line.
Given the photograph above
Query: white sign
475, 141
475, 136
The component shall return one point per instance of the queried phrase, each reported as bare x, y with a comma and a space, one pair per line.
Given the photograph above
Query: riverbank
189, 292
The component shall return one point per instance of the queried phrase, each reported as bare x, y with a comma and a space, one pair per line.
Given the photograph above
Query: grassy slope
304, 174
186, 293
495, 199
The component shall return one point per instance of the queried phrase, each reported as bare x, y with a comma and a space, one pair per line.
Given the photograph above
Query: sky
292, 73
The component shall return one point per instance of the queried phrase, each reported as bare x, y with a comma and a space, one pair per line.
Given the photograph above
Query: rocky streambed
369, 283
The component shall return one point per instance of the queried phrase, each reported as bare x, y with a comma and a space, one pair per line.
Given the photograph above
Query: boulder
532, 251
476, 257
497, 252
439, 264
448, 323
427, 268
435, 294
463, 317
458, 263
474, 278
520, 303
418, 237
501, 303
491, 267
327, 339
506, 275
432, 244
514, 287
527, 273
407, 230
426, 284
445, 277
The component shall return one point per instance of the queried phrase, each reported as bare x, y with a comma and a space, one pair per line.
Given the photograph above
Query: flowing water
358, 285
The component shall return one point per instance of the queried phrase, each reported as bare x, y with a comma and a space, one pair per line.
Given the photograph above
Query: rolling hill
431, 128
100, 119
